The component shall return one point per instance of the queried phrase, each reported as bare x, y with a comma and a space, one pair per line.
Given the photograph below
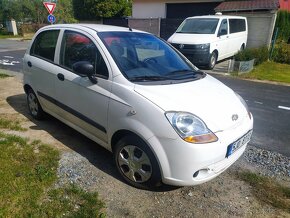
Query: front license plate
239, 143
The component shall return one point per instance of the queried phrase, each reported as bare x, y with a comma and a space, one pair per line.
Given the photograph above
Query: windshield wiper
148, 78
181, 71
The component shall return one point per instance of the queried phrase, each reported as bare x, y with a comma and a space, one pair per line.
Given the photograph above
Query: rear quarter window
237, 25
44, 45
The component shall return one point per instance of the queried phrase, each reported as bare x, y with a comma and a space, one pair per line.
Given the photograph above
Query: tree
34, 10
64, 12
95, 9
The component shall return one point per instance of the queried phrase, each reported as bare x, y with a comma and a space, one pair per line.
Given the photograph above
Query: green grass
11, 125
28, 172
3, 75
270, 71
268, 191
8, 36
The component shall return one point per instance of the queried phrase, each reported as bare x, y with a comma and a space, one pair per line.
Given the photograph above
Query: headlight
203, 46
190, 128
245, 105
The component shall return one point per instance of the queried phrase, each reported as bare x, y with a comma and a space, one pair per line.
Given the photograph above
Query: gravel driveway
92, 168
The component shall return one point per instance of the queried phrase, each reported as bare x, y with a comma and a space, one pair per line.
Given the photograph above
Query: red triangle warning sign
49, 6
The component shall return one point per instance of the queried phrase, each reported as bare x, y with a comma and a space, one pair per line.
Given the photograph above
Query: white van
204, 40
164, 120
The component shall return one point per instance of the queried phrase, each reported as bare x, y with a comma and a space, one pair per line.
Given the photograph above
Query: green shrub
281, 53
260, 55
283, 23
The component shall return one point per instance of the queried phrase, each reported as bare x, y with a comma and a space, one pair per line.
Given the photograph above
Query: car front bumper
186, 164
196, 55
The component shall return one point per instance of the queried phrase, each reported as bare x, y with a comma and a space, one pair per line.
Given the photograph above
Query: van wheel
136, 163
212, 60
34, 107
242, 47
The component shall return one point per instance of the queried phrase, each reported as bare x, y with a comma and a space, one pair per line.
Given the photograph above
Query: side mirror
85, 68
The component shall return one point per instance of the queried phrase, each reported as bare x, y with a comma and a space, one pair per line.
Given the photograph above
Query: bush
30, 28
281, 53
283, 23
259, 54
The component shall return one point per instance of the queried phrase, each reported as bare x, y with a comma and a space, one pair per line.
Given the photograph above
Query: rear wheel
34, 107
136, 163
242, 47
212, 60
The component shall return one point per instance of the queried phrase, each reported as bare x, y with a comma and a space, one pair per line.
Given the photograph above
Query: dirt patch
91, 167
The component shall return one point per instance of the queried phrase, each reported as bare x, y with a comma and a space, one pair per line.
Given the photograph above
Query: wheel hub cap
135, 164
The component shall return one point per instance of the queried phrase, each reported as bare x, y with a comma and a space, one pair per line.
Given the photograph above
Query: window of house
44, 45
77, 47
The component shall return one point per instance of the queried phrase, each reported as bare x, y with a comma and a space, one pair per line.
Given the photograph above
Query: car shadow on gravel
94, 153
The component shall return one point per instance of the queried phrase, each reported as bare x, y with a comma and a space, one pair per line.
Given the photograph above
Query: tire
136, 163
34, 107
212, 61
242, 47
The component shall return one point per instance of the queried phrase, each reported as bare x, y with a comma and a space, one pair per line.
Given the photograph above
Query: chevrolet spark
165, 121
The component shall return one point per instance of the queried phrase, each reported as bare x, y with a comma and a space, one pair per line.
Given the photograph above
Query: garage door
185, 10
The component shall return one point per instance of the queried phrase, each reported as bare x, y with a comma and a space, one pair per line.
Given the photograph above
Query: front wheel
136, 163
212, 60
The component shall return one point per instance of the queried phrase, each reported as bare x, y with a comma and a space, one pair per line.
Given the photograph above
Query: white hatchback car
132, 93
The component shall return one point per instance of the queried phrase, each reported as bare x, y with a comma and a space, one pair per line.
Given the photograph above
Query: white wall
148, 10
157, 8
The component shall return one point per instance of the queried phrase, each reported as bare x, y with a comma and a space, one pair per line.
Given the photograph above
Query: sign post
50, 8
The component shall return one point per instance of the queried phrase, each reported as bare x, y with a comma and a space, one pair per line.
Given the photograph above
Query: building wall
148, 9
285, 5
260, 28
157, 8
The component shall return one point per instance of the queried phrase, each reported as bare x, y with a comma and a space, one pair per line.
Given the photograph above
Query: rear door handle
60, 77
29, 64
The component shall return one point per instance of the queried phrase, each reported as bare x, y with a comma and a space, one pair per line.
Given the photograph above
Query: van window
198, 26
237, 25
223, 28
44, 45
77, 47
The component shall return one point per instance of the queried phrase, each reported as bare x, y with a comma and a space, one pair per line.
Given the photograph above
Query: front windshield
198, 26
144, 57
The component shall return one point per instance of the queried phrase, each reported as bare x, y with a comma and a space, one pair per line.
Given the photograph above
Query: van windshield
198, 26
142, 57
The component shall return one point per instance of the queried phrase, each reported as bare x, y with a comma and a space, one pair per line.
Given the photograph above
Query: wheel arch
217, 53
118, 135
27, 87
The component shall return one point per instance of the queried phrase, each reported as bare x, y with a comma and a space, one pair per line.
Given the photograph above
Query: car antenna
127, 23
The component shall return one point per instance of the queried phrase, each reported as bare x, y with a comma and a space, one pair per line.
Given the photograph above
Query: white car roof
95, 27
217, 16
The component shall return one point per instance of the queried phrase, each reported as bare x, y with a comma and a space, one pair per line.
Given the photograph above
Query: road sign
51, 18
49, 6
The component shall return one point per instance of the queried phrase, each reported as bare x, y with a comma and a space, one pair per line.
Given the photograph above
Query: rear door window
44, 45
237, 25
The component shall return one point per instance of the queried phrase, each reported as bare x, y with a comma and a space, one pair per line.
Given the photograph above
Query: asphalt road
11, 60
269, 104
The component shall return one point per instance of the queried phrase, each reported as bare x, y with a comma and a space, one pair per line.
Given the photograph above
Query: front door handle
29, 64
60, 77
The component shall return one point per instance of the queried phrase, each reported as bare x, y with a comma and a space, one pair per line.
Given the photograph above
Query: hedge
260, 55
